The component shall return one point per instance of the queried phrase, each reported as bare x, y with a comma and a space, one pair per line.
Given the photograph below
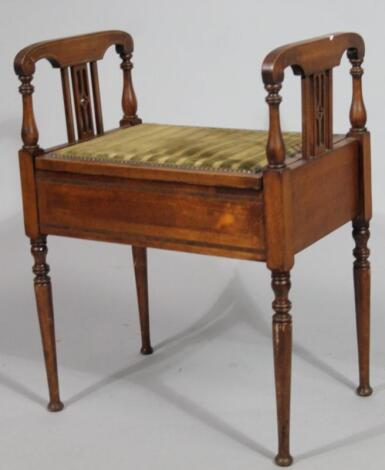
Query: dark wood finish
277, 190
97, 99
275, 148
361, 272
82, 99
269, 216
364, 170
317, 113
314, 60
68, 105
77, 53
129, 104
357, 110
204, 178
72, 51
192, 217
282, 342
328, 187
44, 305
324, 192
361, 266
29, 194
139, 255
278, 207
29, 132
311, 56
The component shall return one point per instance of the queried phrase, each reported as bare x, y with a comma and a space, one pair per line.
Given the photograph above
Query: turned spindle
357, 113
129, 103
361, 273
29, 131
275, 147
282, 344
44, 303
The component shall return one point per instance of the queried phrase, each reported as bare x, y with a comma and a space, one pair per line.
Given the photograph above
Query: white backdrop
207, 393
196, 62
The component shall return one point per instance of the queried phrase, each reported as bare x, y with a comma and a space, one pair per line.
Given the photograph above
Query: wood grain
268, 216
171, 212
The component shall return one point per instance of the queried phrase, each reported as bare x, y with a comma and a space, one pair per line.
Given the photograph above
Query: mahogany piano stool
245, 194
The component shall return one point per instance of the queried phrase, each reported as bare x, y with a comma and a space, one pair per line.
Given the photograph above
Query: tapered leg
43, 293
140, 264
361, 272
282, 342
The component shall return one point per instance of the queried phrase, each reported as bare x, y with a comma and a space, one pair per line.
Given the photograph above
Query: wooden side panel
278, 203
326, 193
28, 188
365, 175
209, 220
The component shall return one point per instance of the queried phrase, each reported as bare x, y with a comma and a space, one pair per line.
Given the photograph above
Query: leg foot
146, 351
139, 255
361, 273
282, 342
43, 294
364, 390
55, 406
283, 461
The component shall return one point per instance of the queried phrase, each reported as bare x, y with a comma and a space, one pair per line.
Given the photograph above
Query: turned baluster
357, 110
282, 343
275, 148
361, 273
129, 103
44, 303
361, 267
29, 131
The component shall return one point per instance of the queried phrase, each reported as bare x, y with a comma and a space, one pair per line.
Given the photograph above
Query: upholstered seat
201, 148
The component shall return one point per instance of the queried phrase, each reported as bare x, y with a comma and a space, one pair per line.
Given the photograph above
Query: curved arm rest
79, 54
70, 51
311, 56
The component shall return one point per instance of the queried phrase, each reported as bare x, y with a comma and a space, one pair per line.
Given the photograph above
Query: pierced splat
317, 131
82, 101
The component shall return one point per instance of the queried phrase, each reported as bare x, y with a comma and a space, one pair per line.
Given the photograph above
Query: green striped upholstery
200, 148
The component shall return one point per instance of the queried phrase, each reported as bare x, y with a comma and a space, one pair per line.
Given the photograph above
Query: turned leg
43, 293
282, 342
140, 265
361, 272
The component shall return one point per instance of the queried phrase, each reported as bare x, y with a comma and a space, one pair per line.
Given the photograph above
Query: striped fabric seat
198, 148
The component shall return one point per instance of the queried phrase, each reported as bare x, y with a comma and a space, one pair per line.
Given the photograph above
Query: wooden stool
224, 192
